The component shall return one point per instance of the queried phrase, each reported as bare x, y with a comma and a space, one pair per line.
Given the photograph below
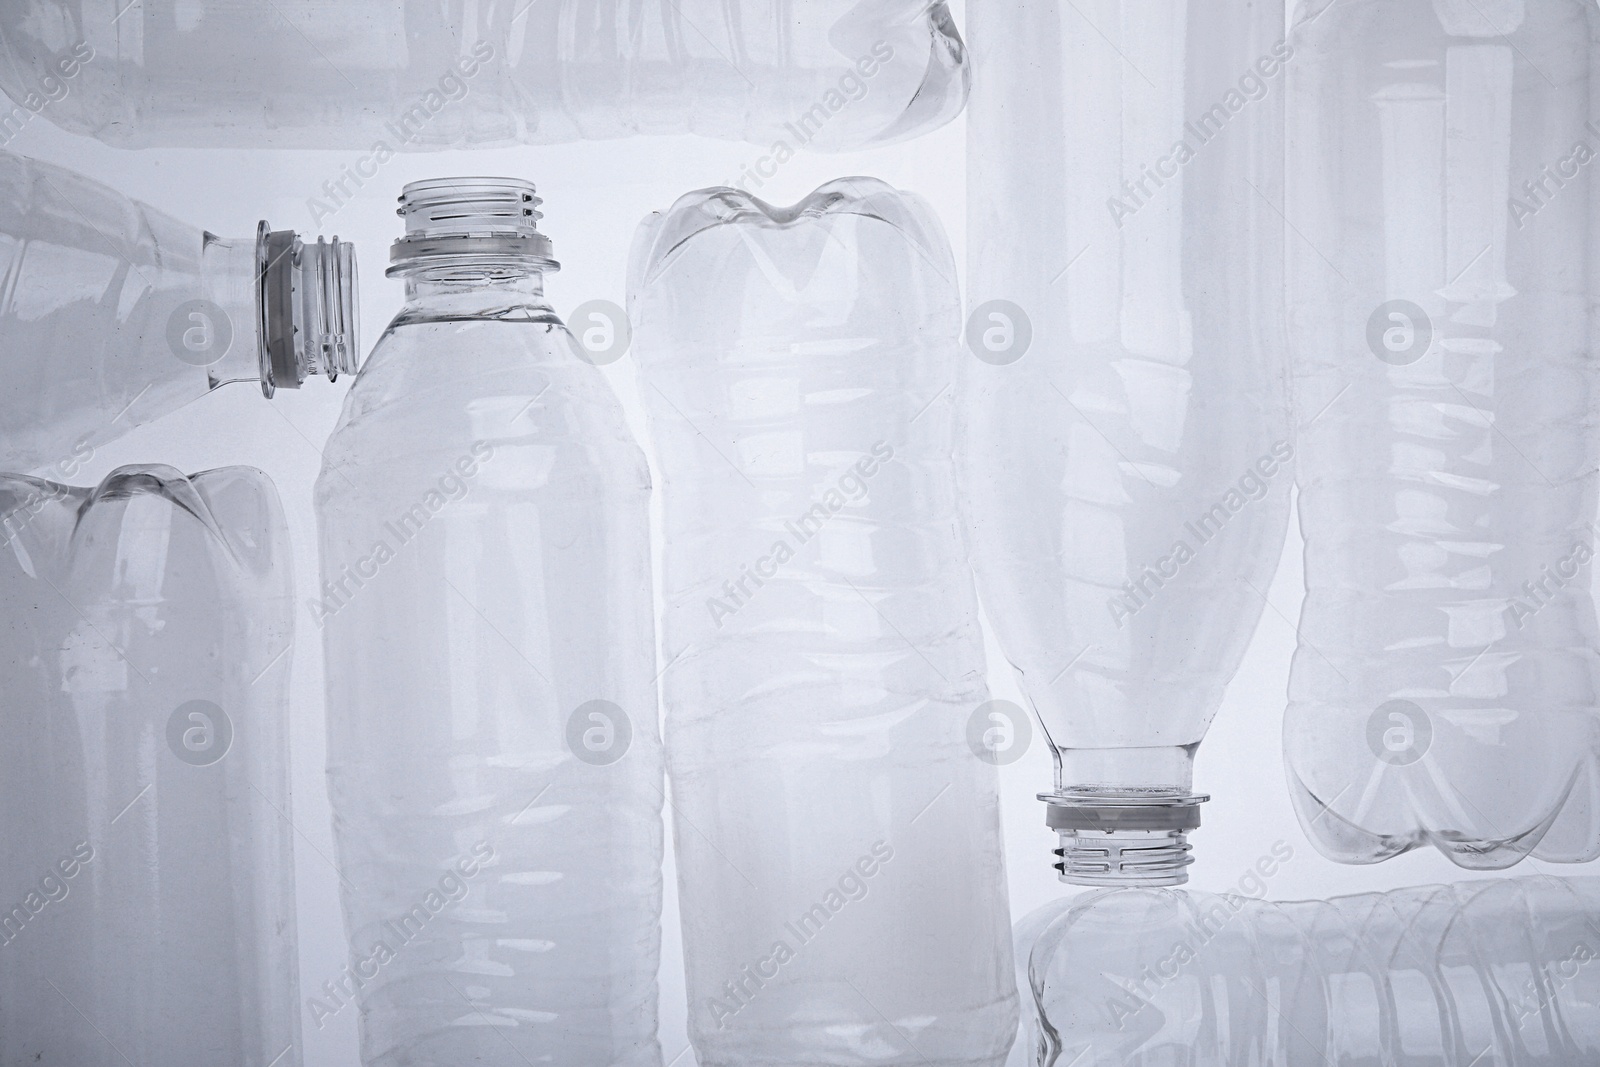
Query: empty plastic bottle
1445, 689
1495, 973
146, 872
1127, 450
494, 761
381, 76
839, 854
113, 314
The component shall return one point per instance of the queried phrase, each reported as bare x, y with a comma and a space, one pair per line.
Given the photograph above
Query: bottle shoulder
516, 387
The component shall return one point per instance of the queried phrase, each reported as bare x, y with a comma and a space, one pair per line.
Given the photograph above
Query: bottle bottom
1123, 838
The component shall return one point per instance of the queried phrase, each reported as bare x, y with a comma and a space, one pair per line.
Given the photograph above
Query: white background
595, 195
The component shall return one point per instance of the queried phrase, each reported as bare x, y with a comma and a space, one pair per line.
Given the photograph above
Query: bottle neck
231, 286
274, 311
471, 283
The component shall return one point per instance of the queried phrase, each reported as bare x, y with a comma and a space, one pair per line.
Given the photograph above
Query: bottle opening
307, 304
482, 218
1123, 839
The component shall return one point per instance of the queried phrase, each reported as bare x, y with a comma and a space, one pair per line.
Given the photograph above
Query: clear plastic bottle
146, 872
494, 762
1126, 453
839, 852
1445, 689
115, 314
1493, 973
381, 76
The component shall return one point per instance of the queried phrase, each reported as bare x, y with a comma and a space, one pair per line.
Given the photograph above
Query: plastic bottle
839, 854
1126, 454
381, 76
147, 907
494, 763
1445, 688
114, 314
1494, 973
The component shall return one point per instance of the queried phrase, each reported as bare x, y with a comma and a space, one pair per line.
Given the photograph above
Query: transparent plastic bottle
494, 761
1126, 452
839, 853
114, 314
1445, 688
1493, 973
147, 907
381, 76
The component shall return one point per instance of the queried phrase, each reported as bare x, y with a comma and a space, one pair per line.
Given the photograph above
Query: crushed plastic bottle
383, 76
1494, 973
147, 907
1127, 453
1447, 683
839, 853
114, 314
493, 754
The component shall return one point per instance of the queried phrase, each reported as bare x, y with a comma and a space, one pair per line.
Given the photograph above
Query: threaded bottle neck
309, 315
1123, 838
468, 227
277, 311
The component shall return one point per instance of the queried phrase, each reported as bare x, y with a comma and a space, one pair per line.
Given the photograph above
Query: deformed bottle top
496, 218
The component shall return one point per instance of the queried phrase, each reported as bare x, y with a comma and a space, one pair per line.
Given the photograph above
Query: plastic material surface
383, 76
1127, 450
146, 871
113, 314
1443, 294
839, 855
1495, 973
494, 764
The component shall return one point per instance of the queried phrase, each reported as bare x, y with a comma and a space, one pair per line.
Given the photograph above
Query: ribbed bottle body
384, 76
92, 280
494, 765
1444, 691
839, 855
1126, 455
1496, 972
147, 908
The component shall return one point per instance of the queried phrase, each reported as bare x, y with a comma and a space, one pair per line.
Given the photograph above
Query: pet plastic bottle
147, 908
493, 756
114, 314
1494, 973
1127, 454
839, 854
1445, 688
378, 77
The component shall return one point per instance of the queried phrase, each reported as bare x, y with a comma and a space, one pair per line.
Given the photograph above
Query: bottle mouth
1123, 838
484, 219
306, 300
